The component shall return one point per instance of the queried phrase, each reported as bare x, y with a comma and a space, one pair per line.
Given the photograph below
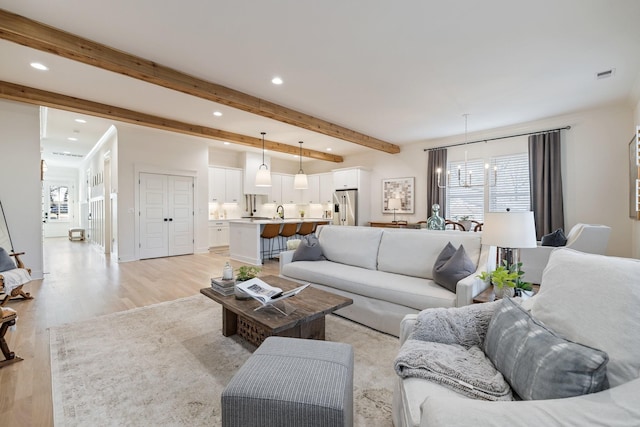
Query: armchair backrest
589, 238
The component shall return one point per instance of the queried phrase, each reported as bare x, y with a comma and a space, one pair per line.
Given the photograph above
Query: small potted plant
244, 273
506, 280
301, 214
465, 220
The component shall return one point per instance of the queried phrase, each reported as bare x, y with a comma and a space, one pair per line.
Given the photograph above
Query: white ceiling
403, 72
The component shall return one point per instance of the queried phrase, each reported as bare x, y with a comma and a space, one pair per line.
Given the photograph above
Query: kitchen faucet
279, 212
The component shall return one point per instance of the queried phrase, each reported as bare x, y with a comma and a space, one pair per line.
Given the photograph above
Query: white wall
20, 185
594, 168
161, 152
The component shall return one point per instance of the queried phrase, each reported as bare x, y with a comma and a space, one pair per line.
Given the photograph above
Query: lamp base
510, 255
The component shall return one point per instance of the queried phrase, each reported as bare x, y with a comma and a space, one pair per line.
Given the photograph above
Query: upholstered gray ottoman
292, 382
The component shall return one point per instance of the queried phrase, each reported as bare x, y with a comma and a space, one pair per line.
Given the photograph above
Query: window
466, 201
511, 189
58, 203
512, 186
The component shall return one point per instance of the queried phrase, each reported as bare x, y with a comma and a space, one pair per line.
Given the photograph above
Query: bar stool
288, 229
269, 232
306, 228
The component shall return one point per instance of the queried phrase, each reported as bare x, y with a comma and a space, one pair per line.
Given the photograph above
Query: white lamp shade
263, 178
395, 204
300, 182
509, 230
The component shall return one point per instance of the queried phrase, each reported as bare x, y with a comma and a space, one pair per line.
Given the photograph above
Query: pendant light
300, 180
464, 174
263, 176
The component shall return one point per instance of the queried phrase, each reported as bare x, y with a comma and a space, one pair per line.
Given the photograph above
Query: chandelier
464, 175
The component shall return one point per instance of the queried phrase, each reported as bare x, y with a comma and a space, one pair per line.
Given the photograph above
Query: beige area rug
167, 364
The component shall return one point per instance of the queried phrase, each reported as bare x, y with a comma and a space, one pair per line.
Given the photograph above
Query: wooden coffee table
307, 321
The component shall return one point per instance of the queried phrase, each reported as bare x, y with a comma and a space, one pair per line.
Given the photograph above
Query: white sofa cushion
414, 253
407, 291
594, 300
616, 407
357, 246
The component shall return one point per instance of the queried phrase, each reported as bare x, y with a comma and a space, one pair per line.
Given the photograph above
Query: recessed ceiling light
217, 113
81, 120
39, 66
72, 139
227, 143
329, 149
276, 81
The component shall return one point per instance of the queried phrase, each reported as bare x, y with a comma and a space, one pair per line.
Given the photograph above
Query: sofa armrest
406, 326
285, 258
471, 286
534, 261
618, 406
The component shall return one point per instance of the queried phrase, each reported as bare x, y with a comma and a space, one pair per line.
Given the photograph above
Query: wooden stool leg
10, 356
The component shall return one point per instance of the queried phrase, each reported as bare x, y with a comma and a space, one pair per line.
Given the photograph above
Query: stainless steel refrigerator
345, 207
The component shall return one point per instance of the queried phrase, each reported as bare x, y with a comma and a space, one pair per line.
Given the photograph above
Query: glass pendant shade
263, 176
300, 180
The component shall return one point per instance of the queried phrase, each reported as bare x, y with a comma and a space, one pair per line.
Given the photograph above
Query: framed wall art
398, 188
634, 176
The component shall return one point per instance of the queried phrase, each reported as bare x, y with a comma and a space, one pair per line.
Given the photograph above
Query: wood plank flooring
81, 283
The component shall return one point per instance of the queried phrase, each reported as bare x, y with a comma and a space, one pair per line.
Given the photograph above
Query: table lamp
395, 204
509, 231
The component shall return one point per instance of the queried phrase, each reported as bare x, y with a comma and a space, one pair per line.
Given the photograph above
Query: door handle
170, 219
166, 220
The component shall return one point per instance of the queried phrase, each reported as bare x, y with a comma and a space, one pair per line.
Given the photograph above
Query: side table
487, 295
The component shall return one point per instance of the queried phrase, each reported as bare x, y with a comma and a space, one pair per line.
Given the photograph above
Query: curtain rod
499, 137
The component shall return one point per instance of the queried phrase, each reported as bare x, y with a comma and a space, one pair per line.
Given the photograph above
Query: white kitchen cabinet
345, 179
275, 195
326, 188
216, 185
225, 185
218, 233
312, 193
290, 194
233, 186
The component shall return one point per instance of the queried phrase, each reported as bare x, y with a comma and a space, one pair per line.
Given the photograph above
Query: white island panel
244, 242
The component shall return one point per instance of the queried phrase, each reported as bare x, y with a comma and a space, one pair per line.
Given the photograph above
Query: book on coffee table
266, 294
223, 283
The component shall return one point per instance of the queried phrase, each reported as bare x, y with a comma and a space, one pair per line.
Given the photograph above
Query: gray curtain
437, 159
546, 182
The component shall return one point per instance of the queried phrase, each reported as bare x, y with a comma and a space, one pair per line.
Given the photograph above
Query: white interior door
166, 215
180, 215
154, 230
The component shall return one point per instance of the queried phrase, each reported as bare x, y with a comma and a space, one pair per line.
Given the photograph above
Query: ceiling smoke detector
605, 74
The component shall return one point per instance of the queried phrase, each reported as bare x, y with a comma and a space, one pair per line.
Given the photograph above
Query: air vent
57, 153
605, 74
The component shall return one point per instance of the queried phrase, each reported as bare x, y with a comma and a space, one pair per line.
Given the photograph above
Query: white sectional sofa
584, 298
387, 272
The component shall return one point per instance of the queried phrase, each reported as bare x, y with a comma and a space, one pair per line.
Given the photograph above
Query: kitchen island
244, 237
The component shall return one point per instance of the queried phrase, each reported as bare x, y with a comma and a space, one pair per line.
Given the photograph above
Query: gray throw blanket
445, 347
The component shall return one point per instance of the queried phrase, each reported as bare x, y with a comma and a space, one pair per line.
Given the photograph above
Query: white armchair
587, 238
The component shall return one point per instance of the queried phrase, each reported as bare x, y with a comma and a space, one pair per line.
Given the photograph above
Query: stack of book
223, 286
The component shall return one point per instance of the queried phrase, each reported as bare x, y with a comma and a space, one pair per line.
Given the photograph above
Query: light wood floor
81, 283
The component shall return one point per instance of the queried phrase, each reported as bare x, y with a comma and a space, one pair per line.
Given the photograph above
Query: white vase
504, 291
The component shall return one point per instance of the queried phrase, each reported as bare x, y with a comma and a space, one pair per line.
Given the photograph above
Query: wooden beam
34, 96
36, 35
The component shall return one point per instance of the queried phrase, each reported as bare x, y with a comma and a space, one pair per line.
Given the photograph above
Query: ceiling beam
36, 35
33, 96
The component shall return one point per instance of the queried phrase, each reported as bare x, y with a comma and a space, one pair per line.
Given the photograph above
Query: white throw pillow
594, 300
